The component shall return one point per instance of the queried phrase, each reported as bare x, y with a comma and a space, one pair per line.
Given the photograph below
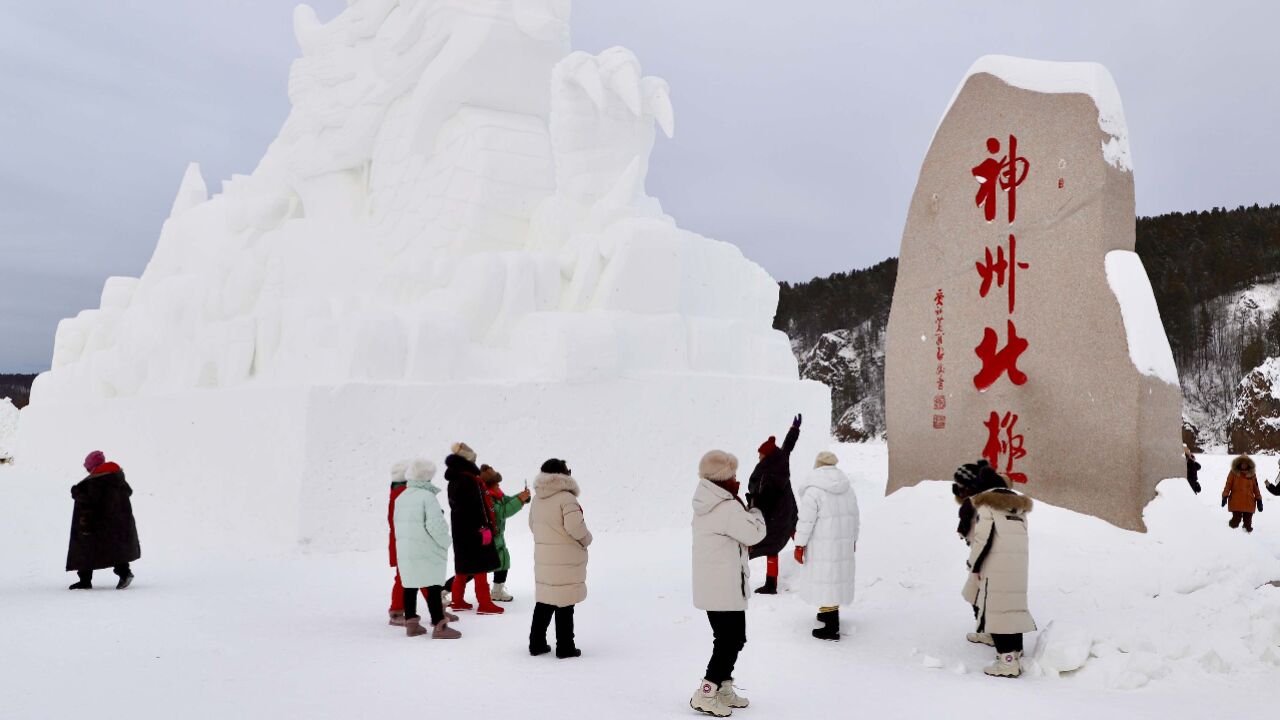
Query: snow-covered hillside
1211, 380
1177, 623
851, 363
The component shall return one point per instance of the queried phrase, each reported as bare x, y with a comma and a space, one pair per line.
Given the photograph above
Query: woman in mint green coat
422, 548
504, 506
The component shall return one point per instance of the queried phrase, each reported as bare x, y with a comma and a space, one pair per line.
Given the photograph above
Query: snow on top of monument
1047, 76
1148, 346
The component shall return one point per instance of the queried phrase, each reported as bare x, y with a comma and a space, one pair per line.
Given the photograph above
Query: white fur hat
420, 470
462, 450
398, 470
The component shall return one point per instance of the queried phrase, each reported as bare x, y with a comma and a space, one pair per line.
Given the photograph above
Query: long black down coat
103, 533
770, 490
468, 513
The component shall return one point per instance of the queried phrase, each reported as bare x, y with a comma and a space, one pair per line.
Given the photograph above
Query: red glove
800, 554
486, 536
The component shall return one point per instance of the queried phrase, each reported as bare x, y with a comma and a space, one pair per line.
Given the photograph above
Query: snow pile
450, 239
8, 429
1148, 346
1045, 76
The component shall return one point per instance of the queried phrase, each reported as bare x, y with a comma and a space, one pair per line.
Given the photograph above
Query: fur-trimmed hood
1002, 500
548, 484
1244, 465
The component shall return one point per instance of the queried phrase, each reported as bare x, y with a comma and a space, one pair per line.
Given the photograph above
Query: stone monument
1023, 328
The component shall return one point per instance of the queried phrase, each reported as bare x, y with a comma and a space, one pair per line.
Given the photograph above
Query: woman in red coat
398, 484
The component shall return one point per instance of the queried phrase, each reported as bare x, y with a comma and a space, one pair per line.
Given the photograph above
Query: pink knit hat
94, 459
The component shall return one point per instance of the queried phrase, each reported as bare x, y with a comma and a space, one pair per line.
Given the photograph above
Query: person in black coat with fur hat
769, 490
1193, 470
103, 531
473, 525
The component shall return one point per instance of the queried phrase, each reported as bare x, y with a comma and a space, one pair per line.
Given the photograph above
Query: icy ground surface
1172, 624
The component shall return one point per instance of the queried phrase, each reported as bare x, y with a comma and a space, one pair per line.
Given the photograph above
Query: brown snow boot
413, 626
442, 631
395, 617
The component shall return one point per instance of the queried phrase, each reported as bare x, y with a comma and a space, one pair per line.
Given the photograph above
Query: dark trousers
1007, 643
500, 576
542, 614
1236, 517
729, 629
435, 608
121, 570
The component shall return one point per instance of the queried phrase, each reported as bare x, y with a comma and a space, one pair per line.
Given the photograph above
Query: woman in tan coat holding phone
723, 531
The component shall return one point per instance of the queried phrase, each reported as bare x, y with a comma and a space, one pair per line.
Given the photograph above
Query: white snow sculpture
453, 197
449, 238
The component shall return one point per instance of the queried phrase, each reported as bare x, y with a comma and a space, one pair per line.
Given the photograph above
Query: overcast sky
800, 126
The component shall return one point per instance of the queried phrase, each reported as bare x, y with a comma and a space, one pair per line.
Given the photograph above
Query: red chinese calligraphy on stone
939, 422
1005, 173
939, 402
999, 362
995, 269
1011, 446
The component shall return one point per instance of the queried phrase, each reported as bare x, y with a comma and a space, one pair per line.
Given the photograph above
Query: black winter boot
830, 629
565, 647
542, 615
125, 580
81, 585
770, 586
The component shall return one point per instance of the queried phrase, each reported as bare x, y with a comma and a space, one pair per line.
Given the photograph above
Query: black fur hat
556, 467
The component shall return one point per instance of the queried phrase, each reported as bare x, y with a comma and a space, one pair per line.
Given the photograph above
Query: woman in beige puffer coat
997, 583
560, 540
723, 531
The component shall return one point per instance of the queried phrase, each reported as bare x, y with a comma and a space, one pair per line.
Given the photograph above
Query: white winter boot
706, 699
499, 593
1006, 665
729, 697
981, 639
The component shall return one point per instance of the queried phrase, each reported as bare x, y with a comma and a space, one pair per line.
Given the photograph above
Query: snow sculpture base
309, 465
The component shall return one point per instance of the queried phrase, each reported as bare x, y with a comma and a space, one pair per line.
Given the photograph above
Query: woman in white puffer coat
826, 542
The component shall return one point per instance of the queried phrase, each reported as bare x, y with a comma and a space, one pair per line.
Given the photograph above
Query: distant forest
17, 388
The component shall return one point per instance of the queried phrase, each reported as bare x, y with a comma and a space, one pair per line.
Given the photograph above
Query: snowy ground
1178, 623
